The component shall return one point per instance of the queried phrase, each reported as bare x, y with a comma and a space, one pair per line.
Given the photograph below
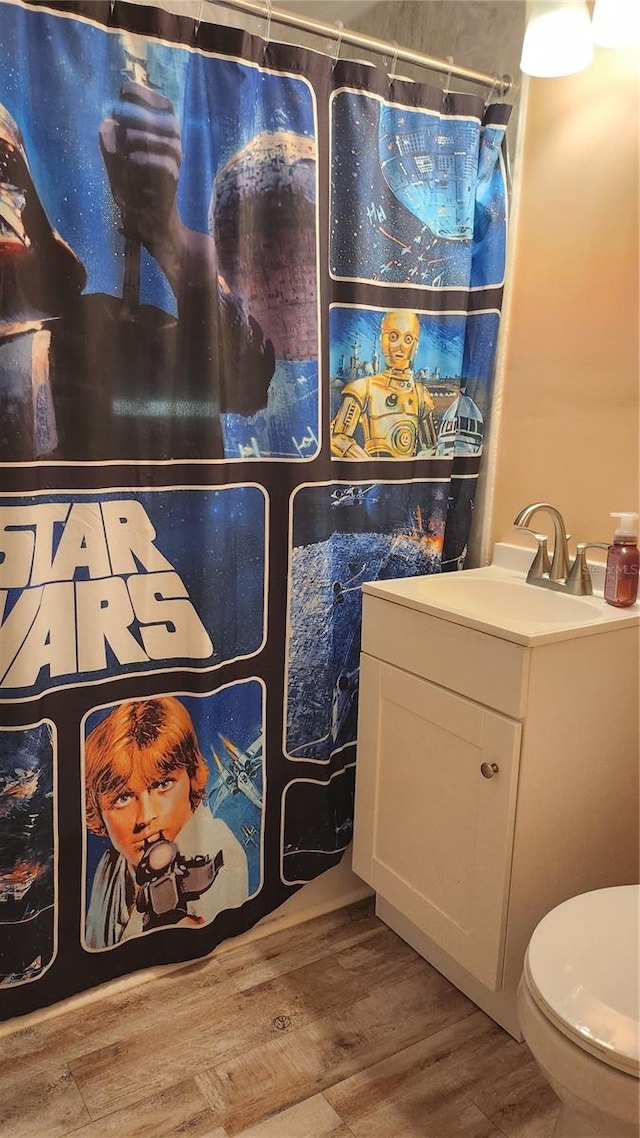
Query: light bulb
616, 23
558, 38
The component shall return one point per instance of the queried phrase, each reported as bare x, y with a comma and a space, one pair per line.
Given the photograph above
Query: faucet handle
541, 564
579, 580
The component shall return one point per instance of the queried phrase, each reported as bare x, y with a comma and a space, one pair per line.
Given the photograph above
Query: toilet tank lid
583, 969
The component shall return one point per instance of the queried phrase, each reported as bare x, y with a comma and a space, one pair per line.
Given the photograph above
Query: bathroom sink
503, 599
497, 599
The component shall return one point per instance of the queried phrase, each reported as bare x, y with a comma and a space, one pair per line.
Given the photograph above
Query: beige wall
568, 426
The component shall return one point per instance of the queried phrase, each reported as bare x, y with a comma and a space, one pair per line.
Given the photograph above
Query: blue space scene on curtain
249, 302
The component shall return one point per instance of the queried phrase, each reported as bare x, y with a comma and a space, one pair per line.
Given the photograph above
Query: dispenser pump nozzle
628, 527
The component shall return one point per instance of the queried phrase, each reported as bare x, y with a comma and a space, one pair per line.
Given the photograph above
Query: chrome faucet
551, 575
556, 573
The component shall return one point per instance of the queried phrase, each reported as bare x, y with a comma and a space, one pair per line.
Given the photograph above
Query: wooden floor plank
108, 1021
412, 1119
180, 1110
46, 1106
332, 1029
422, 1090
331, 1047
382, 957
282, 952
203, 1035
311, 1119
519, 1101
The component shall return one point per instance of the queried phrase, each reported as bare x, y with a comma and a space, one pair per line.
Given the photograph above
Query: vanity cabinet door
433, 834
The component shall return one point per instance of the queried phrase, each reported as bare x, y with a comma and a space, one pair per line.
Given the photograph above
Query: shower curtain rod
501, 83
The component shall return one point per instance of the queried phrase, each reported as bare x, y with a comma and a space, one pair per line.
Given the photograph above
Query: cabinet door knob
489, 769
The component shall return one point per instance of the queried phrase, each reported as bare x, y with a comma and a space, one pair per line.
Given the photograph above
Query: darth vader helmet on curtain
39, 273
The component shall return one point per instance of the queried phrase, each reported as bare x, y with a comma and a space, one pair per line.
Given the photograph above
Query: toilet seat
582, 969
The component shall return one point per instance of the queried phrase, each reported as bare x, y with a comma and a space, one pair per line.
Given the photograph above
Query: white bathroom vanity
497, 768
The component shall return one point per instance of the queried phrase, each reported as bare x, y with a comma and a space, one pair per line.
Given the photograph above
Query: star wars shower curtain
249, 302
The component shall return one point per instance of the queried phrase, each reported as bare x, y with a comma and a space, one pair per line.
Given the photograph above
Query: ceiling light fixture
616, 23
558, 38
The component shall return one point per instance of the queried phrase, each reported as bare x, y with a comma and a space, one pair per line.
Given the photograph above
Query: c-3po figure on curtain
393, 412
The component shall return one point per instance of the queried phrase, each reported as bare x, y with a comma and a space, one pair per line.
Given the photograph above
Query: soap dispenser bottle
623, 560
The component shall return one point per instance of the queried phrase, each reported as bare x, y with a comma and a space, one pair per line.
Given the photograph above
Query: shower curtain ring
339, 31
199, 18
267, 34
495, 86
447, 84
392, 69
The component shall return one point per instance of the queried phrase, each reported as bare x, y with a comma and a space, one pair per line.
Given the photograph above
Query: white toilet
579, 1008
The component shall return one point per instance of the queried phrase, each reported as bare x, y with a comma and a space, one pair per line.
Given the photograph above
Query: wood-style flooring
332, 1029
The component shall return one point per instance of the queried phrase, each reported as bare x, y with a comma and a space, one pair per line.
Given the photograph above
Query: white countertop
498, 601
